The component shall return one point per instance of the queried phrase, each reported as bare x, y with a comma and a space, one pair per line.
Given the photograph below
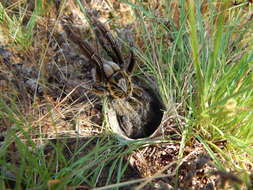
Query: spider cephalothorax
119, 84
112, 77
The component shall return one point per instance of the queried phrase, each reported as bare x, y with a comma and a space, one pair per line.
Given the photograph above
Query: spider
137, 108
113, 77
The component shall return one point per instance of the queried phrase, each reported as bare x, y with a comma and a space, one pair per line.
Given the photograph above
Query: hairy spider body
111, 77
119, 85
118, 82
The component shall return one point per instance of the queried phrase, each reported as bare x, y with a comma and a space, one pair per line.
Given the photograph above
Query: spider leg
106, 40
129, 67
87, 50
137, 91
99, 90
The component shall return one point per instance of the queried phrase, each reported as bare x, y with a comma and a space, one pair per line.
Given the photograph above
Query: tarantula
137, 108
112, 78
